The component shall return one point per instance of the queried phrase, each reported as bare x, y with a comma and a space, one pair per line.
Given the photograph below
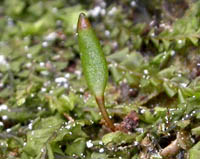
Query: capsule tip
83, 22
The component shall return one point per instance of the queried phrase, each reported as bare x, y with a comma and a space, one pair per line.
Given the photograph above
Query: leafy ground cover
153, 93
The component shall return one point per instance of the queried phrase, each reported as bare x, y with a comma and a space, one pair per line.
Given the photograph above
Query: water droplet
39, 108
61, 81
42, 150
4, 117
112, 11
3, 107
180, 41
29, 64
153, 34
45, 44
67, 75
133, 4
183, 84
29, 55
68, 127
103, 12
26, 48
45, 73
30, 126
146, 72
51, 37
1, 123
101, 150
3, 61
82, 155
51, 92
173, 53
42, 64
81, 90
107, 33
43, 89
89, 144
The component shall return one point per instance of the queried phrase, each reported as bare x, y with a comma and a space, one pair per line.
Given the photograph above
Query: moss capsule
93, 63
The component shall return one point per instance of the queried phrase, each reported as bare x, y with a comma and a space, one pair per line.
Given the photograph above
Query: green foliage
48, 132
194, 151
182, 31
46, 110
117, 138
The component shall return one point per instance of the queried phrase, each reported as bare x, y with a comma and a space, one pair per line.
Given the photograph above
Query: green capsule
92, 57
93, 63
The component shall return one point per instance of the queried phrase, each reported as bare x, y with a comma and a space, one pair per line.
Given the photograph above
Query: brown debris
171, 150
129, 123
148, 148
68, 117
182, 141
